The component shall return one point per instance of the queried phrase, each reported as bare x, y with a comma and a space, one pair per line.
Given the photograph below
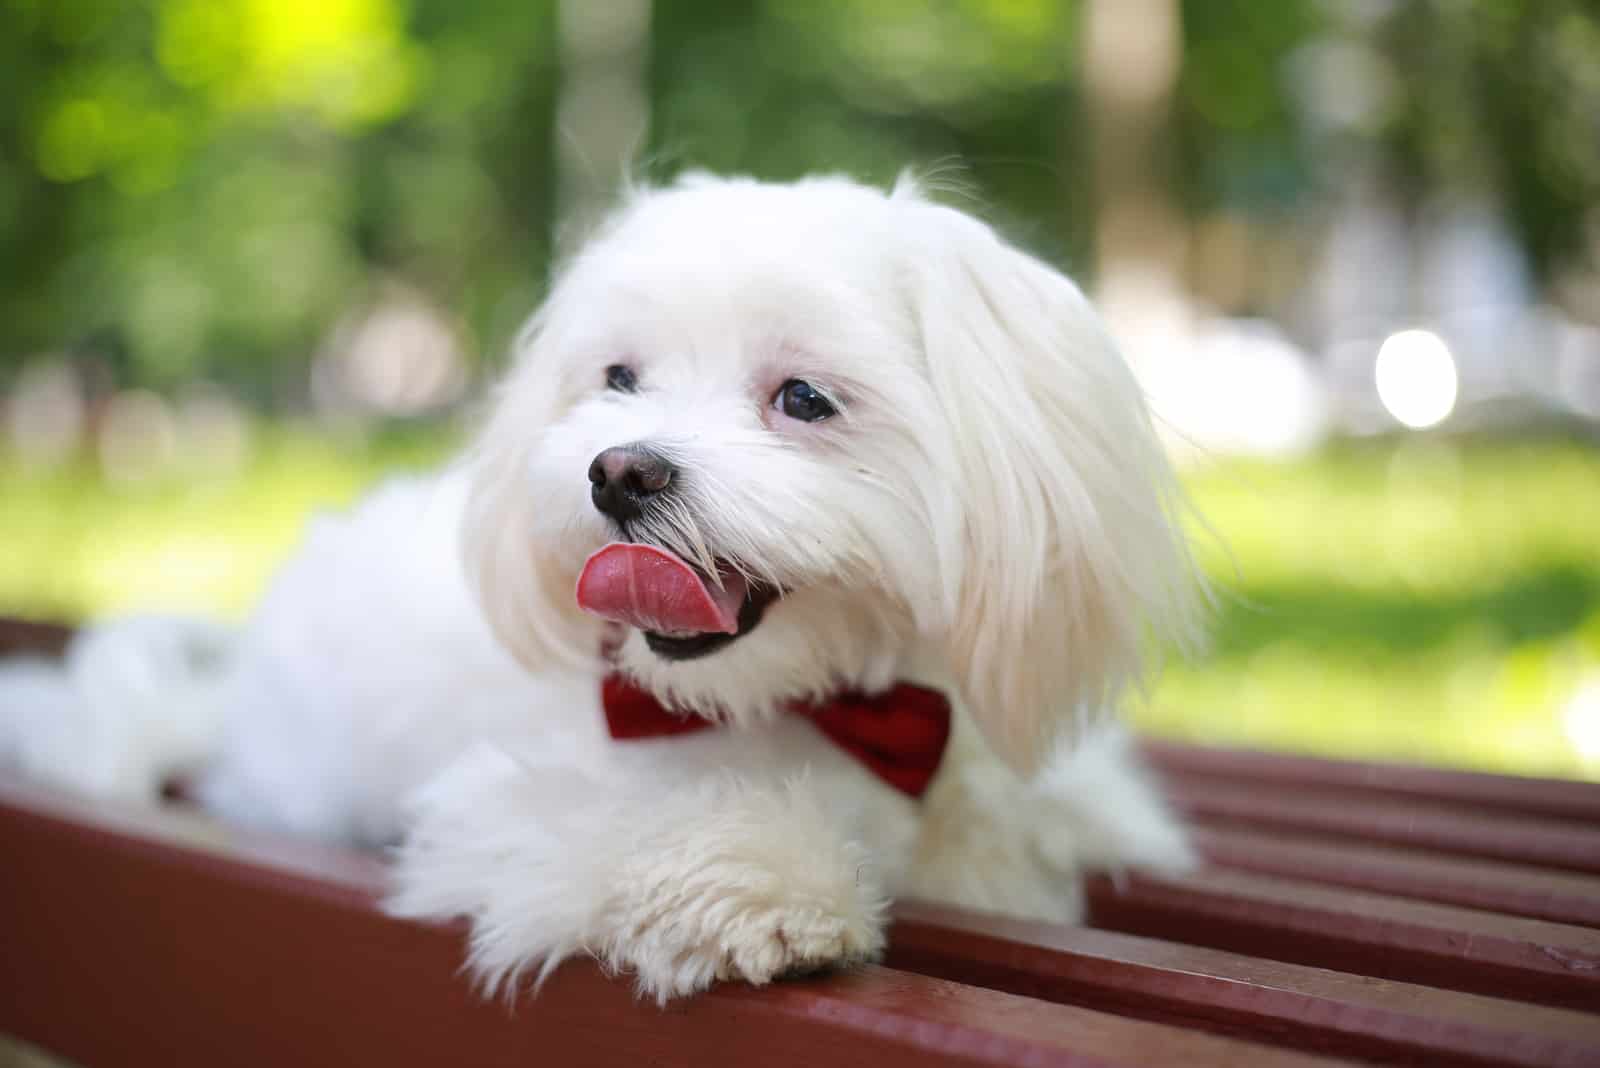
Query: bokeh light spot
1416, 378
1581, 717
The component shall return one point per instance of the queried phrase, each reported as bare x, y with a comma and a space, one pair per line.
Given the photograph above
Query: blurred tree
1505, 97
1239, 137
987, 89
205, 187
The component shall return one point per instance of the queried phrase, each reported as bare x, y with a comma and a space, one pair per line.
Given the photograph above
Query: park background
255, 254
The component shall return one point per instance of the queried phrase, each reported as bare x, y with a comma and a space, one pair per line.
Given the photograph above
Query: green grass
1409, 599
73, 546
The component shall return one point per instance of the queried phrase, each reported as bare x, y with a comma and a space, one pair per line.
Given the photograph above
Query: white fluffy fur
989, 514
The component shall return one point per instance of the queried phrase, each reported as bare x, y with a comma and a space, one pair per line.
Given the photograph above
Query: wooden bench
1350, 912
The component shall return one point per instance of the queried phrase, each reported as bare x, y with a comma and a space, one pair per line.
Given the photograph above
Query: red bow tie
899, 735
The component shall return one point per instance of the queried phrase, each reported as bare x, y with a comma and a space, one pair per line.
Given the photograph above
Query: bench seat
1347, 913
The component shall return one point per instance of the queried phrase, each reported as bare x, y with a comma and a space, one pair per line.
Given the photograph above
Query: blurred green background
256, 253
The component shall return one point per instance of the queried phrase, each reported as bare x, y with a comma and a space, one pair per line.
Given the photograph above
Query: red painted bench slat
1352, 931
1481, 884
25, 636
1421, 824
1309, 1008
1559, 798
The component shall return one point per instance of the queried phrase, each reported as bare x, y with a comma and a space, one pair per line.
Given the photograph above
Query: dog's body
908, 451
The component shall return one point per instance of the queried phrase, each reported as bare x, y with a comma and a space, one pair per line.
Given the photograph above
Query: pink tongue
652, 589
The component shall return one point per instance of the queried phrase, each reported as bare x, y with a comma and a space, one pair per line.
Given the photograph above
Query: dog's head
870, 428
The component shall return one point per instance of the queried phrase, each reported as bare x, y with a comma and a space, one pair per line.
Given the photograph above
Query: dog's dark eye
620, 377
798, 400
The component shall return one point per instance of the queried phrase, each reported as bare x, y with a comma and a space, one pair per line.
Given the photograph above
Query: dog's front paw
747, 907
752, 934
775, 943
719, 880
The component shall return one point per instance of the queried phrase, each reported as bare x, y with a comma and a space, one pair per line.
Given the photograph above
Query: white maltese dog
799, 566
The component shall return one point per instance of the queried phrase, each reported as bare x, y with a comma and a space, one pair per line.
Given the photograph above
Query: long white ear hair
1060, 552
524, 594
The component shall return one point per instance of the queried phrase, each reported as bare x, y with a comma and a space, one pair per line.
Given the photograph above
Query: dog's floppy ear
527, 599
1059, 548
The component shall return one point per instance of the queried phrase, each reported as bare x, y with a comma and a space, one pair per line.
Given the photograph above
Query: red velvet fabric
900, 735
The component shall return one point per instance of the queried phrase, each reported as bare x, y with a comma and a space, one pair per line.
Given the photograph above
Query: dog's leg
681, 885
994, 842
1111, 809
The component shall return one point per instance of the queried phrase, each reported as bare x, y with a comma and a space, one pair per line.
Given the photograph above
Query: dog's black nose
623, 478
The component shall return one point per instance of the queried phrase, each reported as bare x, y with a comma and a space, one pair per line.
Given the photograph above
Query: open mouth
682, 612
690, 646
